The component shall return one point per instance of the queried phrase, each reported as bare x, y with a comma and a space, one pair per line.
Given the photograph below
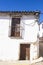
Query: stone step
14, 63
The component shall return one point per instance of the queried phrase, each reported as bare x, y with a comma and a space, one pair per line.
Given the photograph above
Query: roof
20, 13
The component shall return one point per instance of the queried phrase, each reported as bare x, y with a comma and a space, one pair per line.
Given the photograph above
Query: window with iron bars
15, 28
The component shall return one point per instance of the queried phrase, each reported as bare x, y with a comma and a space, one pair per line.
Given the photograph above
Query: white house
18, 35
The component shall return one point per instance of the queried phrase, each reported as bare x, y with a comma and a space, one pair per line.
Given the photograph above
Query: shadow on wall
41, 49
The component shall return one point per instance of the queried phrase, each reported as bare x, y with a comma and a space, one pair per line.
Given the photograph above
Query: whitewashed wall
30, 30
34, 51
10, 48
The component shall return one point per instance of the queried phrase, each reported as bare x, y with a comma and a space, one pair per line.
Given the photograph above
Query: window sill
15, 37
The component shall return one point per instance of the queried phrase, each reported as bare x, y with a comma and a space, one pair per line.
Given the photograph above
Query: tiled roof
21, 12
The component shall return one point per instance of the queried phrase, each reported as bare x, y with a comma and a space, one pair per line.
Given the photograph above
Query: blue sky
22, 5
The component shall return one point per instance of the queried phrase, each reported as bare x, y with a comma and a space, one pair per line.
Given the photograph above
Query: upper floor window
38, 35
15, 27
42, 34
42, 26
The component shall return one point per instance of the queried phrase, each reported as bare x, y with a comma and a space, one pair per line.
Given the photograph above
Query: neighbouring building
41, 39
18, 35
41, 29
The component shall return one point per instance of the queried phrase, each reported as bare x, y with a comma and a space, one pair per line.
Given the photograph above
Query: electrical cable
31, 24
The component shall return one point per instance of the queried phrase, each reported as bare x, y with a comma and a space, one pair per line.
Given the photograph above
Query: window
38, 35
15, 27
42, 26
42, 34
39, 27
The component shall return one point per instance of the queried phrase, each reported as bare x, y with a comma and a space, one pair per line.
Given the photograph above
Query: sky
22, 5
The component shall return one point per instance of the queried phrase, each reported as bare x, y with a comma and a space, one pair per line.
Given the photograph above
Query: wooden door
27, 53
24, 51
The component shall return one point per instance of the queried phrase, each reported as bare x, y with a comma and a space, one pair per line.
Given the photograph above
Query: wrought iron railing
15, 31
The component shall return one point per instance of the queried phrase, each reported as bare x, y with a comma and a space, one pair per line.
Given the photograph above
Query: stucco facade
10, 47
